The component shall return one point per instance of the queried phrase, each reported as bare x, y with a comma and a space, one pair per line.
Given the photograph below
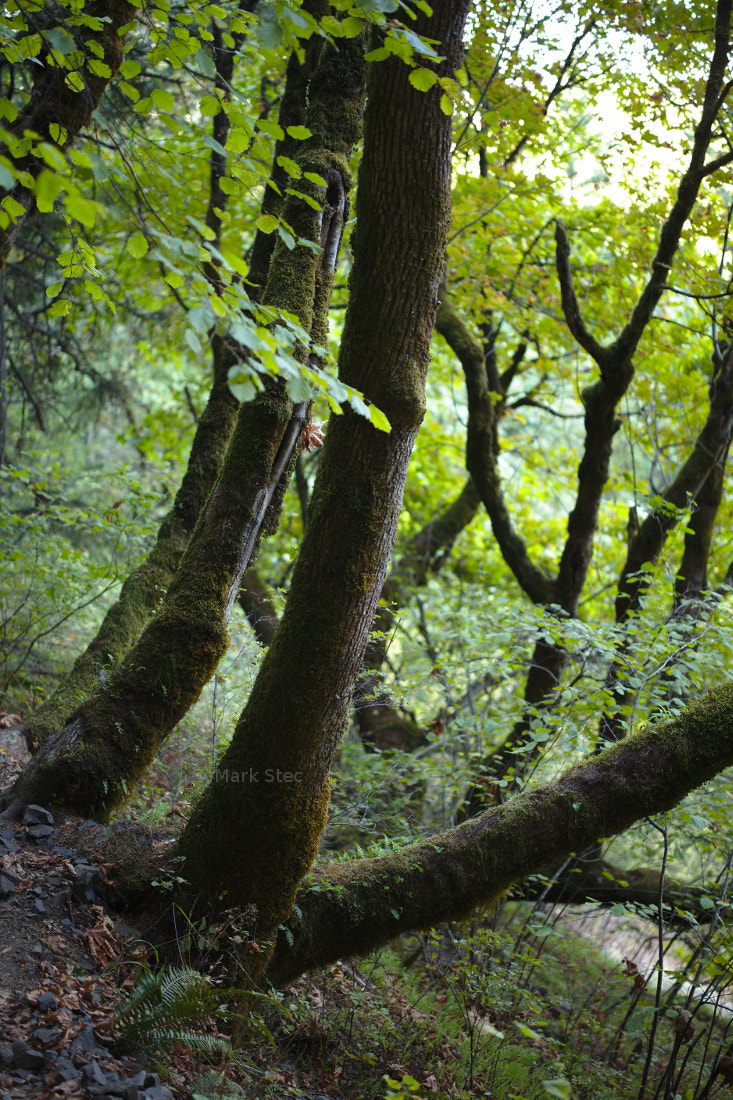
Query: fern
215, 1086
163, 1006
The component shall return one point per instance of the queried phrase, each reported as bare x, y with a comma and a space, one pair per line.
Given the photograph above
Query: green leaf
60, 40
209, 106
137, 245
298, 389
193, 341
446, 104
48, 187
128, 69
351, 27
707, 903
162, 99
75, 81
99, 68
380, 54
422, 79
287, 238
243, 391
300, 133
84, 210
378, 419
291, 167
559, 1087
267, 223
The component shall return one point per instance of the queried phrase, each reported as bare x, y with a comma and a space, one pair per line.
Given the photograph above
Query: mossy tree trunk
144, 589
353, 907
94, 762
255, 831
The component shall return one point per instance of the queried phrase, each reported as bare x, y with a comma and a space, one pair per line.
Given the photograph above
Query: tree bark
255, 832
95, 761
351, 908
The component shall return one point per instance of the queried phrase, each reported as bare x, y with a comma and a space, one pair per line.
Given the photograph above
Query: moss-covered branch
352, 907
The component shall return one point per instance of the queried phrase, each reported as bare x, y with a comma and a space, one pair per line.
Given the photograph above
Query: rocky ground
65, 964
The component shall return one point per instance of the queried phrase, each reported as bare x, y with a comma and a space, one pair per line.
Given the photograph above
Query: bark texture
95, 761
144, 589
351, 908
255, 831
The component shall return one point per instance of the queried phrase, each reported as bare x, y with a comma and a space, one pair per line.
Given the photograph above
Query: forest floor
529, 1010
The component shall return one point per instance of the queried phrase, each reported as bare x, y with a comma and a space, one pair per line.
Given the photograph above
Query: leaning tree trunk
255, 831
94, 762
143, 590
353, 907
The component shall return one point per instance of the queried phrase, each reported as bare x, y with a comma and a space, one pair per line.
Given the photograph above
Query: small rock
66, 853
158, 1092
87, 876
48, 1002
90, 825
85, 1041
94, 1074
36, 815
66, 1070
6, 1054
37, 949
8, 882
25, 1058
39, 906
61, 897
8, 843
46, 1035
39, 831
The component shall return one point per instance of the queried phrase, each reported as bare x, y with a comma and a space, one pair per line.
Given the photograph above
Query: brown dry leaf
312, 437
431, 1083
8, 720
102, 940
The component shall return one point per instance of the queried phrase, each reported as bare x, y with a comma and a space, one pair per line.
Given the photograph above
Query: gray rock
8, 882
158, 1092
6, 1054
24, 1057
39, 906
36, 815
39, 831
46, 1035
48, 1002
66, 1070
84, 882
85, 1041
7, 841
94, 1074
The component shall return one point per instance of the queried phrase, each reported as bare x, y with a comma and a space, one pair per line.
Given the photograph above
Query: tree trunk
255, 832
144, 589
351, 908
95, 761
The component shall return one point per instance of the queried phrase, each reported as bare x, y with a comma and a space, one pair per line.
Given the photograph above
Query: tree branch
481, 446
352, 907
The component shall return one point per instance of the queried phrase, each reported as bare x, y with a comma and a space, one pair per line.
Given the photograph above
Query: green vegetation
466, 658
